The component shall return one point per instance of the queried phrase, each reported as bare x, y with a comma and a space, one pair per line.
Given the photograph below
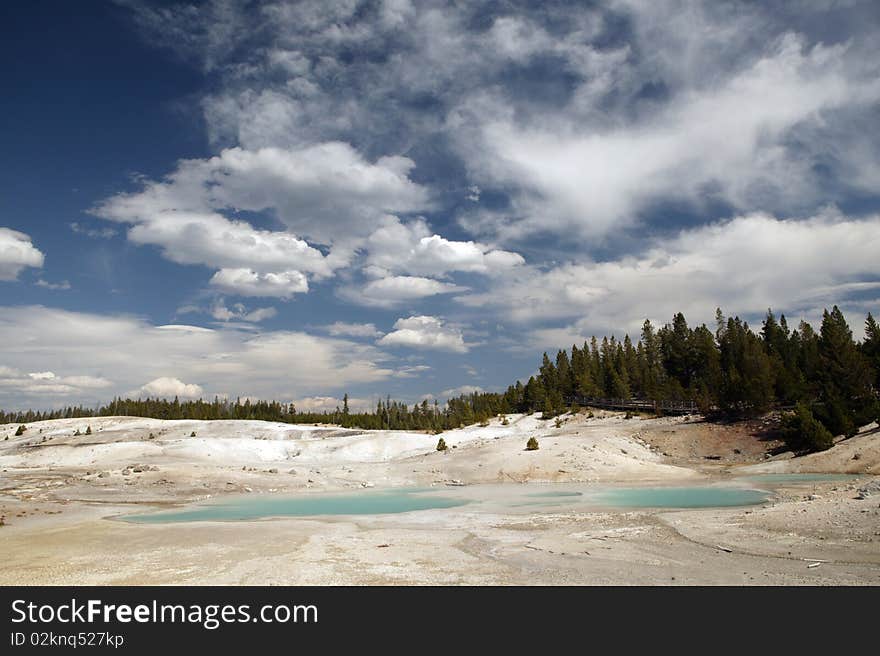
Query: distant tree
441, 444
20, 430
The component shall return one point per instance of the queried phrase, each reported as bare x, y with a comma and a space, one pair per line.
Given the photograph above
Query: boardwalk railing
638, 405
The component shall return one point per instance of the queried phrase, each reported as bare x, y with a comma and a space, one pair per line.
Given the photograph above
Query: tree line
829, 378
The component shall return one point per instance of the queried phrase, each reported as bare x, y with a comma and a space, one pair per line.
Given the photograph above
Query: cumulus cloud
238, 312
247, 282
331, 403
325, 192
412, 248
425, 332
743, 265
343, 329
167, 387
16, 253
83, 348
47, 385
395, 290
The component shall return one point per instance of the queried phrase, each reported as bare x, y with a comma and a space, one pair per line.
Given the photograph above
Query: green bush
532, 444
803, 432
20, 430
441, 444
558, 422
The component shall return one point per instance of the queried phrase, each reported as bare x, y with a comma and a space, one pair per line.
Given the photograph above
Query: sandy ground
58, 491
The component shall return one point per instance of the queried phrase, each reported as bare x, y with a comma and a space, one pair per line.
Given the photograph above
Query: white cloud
412, 248
743, 265
247, 282
331, 403
82, 347
63, 285
94, 233
325, 192
737, 138
458, 391
425, 332
395, 290
238, 312
341, 328
47, 385
16, 253
167, 387
412, 371
212, 240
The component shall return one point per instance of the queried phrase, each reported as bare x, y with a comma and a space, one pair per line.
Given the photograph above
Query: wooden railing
637, 405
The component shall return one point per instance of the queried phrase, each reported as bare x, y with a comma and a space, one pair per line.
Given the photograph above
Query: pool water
679, 497
263, 506
489, 497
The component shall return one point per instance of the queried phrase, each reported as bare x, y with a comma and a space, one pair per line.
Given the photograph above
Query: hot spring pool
493, 498
263, 506
679, 497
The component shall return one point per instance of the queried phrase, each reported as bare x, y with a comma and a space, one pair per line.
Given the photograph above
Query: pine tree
845, 377
871, 348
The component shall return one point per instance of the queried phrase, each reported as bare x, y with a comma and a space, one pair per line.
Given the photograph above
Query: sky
297, 200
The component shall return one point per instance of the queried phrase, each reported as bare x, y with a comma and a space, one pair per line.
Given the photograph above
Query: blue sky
297, 199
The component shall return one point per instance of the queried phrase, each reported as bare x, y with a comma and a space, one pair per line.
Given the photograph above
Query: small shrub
628, 415
558, 422
484, 423
193, 434
532, 444
152, 437
590, 415
505, 421
88, 430
20, 430
441, 444
77, 433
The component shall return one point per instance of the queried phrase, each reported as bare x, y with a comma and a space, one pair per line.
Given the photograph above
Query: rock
737, 451
813, 497
291, 471
857, 456
104, 474
273, 471
364, 484
869, 489
126, 472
